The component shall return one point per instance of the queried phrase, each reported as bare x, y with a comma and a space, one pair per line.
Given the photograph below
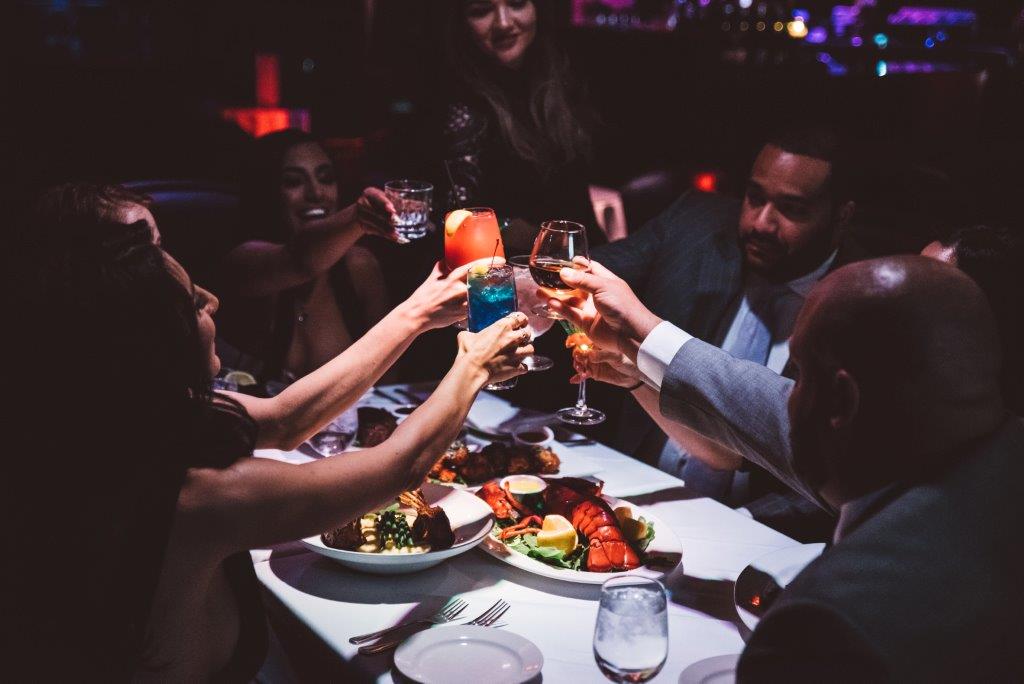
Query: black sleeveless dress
88, 513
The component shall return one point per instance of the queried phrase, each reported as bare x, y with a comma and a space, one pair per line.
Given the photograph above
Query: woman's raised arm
291, 417
258, 268
257, 502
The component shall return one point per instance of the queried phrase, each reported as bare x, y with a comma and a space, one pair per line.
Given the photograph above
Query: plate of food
416, 532
567, 529
469, 464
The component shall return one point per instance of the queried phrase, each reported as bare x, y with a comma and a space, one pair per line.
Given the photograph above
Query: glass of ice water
631, 635
412, 200
336, 435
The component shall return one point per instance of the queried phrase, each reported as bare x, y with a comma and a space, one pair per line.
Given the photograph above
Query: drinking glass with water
631, 634
492, 296
336, 435
412, 200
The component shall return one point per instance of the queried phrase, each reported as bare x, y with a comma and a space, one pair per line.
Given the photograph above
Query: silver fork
485, 619
491, 615
449, 612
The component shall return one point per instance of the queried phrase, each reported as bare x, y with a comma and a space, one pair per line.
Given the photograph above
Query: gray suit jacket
925, 588
737, 403
685, 266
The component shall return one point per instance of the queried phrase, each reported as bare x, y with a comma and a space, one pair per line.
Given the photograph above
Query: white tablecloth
336, 603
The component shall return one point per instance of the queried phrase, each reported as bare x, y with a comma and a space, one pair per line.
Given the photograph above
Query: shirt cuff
657, 351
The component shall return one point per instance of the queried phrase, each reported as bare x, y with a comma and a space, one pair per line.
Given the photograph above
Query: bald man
897, 422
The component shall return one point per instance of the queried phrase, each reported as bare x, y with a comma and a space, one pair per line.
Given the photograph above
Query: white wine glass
557, 245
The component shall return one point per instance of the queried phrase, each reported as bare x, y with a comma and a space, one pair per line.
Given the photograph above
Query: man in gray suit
897, 422
735, 275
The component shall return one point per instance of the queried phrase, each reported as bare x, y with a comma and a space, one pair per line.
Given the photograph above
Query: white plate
664, 553
718, 670
468, 654
471, 520
761, 581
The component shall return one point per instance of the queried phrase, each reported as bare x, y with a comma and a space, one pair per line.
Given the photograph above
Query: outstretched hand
376, 214
499, 348
441, 299
613, 316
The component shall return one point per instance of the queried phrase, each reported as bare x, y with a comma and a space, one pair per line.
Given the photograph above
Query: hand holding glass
557, 245
412, 200
492, 296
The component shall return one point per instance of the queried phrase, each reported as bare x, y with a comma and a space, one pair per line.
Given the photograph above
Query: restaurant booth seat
198, 220
649, 194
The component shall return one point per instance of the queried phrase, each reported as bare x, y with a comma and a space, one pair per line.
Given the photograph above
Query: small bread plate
445, 655
470, 518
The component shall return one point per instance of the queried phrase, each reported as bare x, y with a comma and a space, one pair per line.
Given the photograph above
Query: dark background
127, 90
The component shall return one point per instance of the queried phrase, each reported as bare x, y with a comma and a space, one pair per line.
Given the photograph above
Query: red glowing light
268, 80
257, 121
755, 600
706, 182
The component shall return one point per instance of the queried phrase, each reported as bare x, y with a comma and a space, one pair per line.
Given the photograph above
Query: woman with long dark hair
133, 499
516, 135
298, 286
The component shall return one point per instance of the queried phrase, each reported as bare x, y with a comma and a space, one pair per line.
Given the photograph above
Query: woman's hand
602, 365
441, 299
375, 214
498, 349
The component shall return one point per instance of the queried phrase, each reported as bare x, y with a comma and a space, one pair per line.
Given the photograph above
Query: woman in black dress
130, 496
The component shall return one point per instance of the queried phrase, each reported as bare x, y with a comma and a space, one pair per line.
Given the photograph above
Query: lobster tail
593, 517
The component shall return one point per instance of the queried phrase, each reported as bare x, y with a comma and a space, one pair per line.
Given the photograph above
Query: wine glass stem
581, 401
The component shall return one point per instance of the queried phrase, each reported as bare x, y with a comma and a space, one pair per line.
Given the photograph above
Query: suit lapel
718, 286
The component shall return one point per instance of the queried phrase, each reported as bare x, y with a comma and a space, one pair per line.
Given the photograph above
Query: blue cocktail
492, 296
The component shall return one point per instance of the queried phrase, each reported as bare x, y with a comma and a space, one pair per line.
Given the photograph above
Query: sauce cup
540, 435
523, 486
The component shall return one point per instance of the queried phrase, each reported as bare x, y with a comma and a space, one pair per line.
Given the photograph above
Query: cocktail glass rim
579, 227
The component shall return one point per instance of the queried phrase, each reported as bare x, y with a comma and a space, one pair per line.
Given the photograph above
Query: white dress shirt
664, 342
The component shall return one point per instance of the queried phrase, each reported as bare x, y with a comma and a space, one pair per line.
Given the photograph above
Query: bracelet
635, 387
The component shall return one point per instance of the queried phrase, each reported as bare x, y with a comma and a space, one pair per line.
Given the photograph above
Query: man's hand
604, 366
612, 316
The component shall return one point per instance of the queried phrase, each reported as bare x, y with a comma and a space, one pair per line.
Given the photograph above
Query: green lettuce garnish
526, 544
642, 544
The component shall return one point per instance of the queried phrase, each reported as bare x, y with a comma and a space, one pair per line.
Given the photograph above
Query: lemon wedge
632, 528
479, 269
454, 220
623, 513
557, 533
553, 523
240, 378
